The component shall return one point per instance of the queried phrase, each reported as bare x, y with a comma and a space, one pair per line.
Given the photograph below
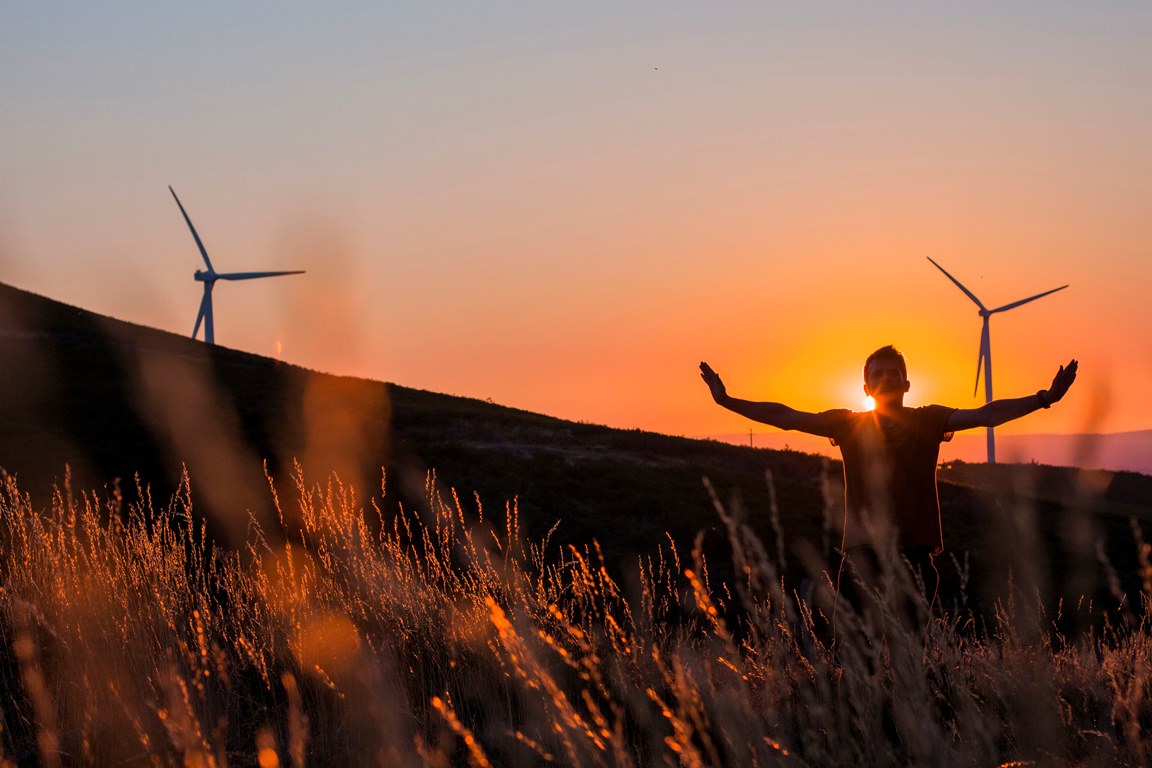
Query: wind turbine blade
979, 367
204, 305
1015, 304
985, 353
959, 285
195, 236
987, 364
253, 275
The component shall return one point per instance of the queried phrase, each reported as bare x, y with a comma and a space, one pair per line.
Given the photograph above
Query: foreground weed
390, 635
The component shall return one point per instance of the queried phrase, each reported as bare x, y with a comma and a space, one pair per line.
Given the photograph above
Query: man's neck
888, 412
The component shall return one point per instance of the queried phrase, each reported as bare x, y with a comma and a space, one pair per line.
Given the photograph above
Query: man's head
886, 375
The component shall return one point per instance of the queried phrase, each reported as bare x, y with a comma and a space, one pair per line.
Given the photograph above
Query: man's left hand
1062, 381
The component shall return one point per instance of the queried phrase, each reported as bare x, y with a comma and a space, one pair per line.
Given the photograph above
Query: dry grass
438, 636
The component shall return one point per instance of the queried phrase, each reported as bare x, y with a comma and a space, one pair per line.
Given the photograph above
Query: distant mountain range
1117, 451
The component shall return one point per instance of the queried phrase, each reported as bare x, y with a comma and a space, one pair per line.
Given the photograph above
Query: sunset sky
565, 207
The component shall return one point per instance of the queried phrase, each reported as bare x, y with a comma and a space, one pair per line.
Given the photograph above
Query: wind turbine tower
985, 360
209, 278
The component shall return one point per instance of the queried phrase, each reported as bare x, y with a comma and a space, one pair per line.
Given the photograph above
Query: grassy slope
112, 399
139, 642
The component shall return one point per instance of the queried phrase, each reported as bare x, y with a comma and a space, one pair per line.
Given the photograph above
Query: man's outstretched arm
773, 414
997, 412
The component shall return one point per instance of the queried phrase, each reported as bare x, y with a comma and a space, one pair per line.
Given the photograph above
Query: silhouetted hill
116, 400
112, 400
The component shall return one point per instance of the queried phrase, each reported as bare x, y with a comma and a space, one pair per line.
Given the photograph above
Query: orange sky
566, 209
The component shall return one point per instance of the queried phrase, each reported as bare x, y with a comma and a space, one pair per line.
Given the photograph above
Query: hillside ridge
116, 401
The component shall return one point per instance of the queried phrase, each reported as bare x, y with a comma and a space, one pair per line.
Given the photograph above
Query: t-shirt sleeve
839, 422
936, 421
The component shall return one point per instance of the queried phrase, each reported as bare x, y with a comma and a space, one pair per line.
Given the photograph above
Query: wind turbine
210, 276
985, 359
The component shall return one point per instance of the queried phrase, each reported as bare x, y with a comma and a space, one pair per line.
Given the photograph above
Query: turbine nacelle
210, 276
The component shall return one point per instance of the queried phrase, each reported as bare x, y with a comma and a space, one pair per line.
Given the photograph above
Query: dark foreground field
435, 636
283, 574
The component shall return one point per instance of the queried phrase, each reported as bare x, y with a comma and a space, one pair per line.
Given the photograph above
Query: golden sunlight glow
868, 402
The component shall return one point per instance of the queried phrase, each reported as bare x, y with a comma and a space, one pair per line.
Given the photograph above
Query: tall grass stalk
439, 636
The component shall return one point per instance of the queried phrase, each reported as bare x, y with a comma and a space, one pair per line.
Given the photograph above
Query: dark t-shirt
890, 475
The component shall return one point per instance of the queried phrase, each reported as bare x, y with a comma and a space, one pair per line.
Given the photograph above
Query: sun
869, 403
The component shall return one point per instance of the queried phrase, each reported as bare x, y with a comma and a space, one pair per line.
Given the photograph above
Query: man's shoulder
934, 417
840, 415
840, 423
843, 420
932, 411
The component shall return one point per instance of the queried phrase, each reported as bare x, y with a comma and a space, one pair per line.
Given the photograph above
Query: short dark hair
888, 352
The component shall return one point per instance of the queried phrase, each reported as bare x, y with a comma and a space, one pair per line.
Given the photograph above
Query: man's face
883, 380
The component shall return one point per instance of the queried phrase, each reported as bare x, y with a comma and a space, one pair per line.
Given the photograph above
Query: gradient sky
565, 207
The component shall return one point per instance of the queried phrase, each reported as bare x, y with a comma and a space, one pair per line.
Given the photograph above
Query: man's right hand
715, 385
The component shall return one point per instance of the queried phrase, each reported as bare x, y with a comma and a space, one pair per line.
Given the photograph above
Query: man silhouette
890, 455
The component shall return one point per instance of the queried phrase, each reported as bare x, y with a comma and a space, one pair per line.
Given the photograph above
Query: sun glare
868, 402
